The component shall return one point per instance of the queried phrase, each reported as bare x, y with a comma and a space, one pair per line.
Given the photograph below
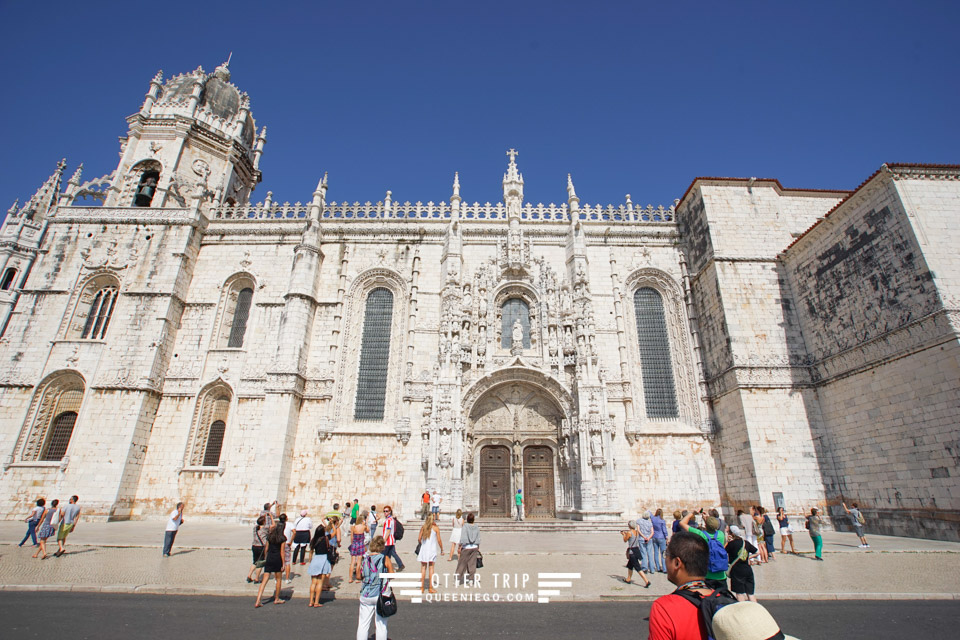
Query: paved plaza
212, 558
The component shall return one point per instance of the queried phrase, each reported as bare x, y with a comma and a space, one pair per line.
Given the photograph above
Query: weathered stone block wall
885, 355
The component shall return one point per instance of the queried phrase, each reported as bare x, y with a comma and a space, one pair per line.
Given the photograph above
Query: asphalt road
45, 615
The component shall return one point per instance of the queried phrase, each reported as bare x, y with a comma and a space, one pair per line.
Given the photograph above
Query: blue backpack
718, 561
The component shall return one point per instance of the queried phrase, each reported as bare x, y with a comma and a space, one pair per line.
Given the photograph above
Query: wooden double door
496, 494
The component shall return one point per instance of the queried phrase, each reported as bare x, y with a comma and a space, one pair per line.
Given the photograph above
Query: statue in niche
446, 458
553, 342
517, 342
565, 301
467, 299
596, 445
517, 454
482, 298
581, 273
564, 453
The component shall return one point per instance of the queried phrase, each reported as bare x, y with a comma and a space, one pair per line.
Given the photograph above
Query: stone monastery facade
164, 338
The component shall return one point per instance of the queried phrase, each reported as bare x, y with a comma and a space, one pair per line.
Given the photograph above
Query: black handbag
417, 550
387, 604
479, 560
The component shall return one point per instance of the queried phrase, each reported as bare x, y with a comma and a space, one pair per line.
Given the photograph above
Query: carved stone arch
215, 402
227, 307
60, 391
545, 381
681, 352
348, 367
85, 293
523, 291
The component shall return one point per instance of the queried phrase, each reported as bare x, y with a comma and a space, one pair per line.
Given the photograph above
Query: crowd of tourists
280, 542
738, 547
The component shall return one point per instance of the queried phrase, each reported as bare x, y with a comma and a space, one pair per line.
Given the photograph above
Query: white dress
457, 528
428, 548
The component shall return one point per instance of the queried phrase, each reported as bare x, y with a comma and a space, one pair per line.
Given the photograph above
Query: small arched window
98, 317
8, 277
147, 188
52, 418
655, 361
514, 309
210, 428
374, 356
239, 326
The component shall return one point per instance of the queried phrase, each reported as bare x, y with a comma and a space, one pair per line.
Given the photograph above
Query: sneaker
866, 546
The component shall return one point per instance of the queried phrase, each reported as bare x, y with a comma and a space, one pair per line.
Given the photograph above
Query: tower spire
46, 196
513, 186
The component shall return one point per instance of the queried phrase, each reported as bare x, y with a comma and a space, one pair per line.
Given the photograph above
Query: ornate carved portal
518, 431
495, 482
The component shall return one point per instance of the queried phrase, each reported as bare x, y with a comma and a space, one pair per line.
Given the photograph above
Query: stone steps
536, 526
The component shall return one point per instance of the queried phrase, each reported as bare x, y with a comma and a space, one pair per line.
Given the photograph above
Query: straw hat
746, 621
737, 531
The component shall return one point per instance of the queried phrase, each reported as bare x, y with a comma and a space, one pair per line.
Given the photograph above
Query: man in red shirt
424, 505
673, 617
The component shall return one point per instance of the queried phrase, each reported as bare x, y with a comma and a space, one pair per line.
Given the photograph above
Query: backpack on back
397, 530
718, 561
707, 605
860, 518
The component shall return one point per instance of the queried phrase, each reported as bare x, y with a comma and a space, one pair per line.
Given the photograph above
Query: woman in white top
429, 540
455, 534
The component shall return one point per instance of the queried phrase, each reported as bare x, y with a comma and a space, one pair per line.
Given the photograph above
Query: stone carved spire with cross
513, 186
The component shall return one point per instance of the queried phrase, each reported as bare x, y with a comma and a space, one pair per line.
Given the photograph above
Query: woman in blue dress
319, 568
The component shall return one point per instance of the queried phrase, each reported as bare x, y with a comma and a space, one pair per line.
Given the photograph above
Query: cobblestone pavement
212, 558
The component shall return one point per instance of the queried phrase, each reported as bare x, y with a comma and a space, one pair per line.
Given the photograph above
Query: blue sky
629, 97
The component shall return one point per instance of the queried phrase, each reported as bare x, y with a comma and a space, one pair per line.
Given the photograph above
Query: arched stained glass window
240, 315
211, 457
657, 368
52, 417
374, 356
98, 319
514, 309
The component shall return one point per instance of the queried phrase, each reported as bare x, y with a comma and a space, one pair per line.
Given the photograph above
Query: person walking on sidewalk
815, 527
739, 552
857, 519
456, 532
70, 516
768, 531
47, 528
375, 563
430, 546
258, 548
469, 550
645, 529
632, 537
786, 533
173, 525
320, 566
287, 527
358, 546
301, 536
425, 505
388, 532
33, 519
273, 567
659, 542
519, 500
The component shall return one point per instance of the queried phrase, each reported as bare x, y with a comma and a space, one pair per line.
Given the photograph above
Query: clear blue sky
629, 97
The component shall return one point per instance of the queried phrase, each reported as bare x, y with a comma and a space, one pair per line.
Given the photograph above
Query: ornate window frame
83, 305
47, 404
685, 378
522, 291
226, 310
215, 402
349, 366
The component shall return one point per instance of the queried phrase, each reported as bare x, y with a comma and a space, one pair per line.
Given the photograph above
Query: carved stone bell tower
194, 141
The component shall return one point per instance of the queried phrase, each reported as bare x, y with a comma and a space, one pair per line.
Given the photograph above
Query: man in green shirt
355, 512
715, 579
519, 500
